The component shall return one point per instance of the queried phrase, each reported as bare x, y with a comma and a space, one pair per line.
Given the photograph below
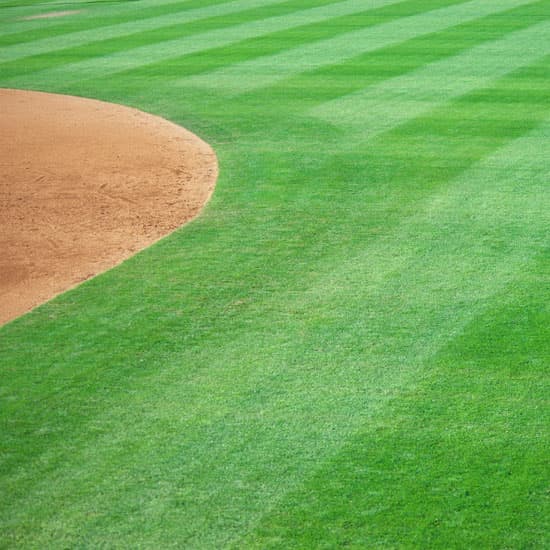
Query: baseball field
350, 345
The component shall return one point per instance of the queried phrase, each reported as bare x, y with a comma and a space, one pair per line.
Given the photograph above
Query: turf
350, 346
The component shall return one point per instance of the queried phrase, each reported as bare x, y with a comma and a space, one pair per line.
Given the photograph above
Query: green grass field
350, 346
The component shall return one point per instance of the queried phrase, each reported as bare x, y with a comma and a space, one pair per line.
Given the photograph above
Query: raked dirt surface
84, 185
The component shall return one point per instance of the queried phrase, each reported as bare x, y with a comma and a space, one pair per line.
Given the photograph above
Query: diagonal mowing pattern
202, 392
244, 77
426, 320
470, 209
141, 38
96, 18
18, 51
274, 42
379, 108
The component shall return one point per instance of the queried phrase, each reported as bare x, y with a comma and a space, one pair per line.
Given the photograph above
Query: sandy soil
83, 186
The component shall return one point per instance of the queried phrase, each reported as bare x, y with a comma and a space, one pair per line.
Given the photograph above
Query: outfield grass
350, 346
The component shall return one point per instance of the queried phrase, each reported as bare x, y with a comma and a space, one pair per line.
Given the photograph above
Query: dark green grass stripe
26, 3
125, 27
382, 330
314, 87
379, 108
276, 42
127, 42
328, 355
96, 19
311, 88
256, 73
477, 220
362, 208
448, 459
343, 46
424, 152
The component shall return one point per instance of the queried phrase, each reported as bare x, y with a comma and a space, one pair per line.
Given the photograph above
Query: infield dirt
83, 186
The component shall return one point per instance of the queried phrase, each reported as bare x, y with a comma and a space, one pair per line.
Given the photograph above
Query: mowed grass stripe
466, 399
466, 221
393, 101
376, 474
359, 388
8, 7
102, 48
136, 57
440, 154
265, 376
100, 15
279, 41
124, 27
308, 90
133, 7
461, 141
445, 141
262, 72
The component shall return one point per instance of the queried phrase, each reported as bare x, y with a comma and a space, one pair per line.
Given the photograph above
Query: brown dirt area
84, 185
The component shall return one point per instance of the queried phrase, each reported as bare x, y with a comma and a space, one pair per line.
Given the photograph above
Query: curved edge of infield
85, 185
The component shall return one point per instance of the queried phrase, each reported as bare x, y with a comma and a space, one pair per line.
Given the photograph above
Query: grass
350, 346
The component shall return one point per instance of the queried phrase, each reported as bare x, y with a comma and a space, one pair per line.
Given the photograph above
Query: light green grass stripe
133, 58
265, 71
505, 189
12, 23
114, 7
394, 101
64, 41
9, 7
432, 302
